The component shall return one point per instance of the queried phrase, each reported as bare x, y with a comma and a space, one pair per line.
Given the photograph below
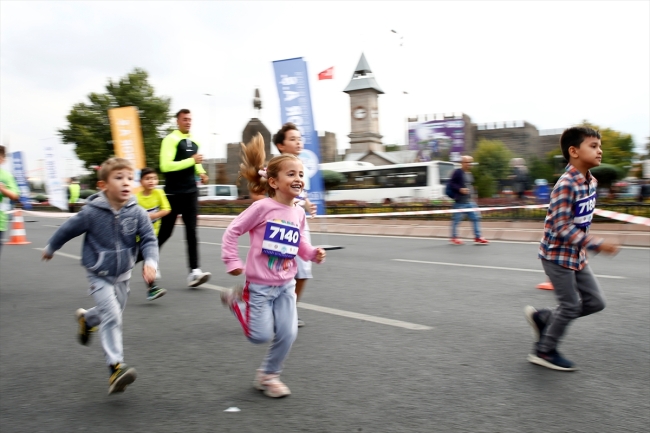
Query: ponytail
253, 159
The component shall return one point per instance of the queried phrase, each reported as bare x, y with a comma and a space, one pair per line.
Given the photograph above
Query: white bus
398, 182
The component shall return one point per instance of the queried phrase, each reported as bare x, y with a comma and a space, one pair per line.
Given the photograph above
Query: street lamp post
212, 165
404, 93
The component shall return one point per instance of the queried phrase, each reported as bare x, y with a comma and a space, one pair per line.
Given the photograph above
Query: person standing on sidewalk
461, 185
563, 249
180, 160
74, 191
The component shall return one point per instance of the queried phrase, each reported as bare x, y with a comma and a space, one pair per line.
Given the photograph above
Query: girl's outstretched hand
236, 272
320, 255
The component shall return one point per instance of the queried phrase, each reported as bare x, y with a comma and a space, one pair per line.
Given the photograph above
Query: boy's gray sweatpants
269, 312
111, 300
578, 294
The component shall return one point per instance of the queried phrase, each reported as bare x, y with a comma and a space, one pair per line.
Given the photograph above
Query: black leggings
186, 205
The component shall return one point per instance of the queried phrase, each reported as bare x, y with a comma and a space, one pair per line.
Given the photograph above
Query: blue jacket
109, 247
457, 182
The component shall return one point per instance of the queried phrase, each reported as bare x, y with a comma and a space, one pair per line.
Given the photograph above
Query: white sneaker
271, 385
197, 277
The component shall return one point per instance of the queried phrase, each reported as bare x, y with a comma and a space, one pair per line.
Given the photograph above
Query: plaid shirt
564, 242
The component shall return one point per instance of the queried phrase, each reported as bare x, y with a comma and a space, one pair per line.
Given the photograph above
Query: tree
493, 159
89, 128
540, 169
618, 147
332, 179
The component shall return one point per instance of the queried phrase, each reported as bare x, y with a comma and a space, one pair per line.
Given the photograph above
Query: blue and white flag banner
18, 169
295, 106
54, 186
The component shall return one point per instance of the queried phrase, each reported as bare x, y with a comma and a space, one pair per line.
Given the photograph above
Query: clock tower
364, 110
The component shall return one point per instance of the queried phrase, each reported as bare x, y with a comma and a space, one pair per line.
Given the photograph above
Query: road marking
326, 310
59, 253
494, 267
349, 314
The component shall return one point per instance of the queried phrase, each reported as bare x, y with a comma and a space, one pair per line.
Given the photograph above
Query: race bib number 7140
281, 240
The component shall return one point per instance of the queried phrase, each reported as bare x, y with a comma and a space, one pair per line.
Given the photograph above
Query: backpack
449, 191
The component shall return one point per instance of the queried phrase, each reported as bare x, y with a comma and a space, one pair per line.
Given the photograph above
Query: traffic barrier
18, 235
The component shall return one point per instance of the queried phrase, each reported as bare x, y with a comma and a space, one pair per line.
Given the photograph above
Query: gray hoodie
109, 248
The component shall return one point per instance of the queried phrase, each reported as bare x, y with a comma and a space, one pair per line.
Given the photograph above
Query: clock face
359, 113
374, 113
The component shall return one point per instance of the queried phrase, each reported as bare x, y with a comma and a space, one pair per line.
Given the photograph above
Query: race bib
583, 210
281, 239
153, 210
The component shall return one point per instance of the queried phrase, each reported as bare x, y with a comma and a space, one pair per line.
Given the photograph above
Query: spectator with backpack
460, 189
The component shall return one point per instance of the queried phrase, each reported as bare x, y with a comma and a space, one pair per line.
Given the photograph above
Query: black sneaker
84, 330
121, 376
155, 292
537, 325
300, 323
552, 360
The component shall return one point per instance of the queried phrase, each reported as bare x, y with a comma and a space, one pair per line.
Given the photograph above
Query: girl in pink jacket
268, 301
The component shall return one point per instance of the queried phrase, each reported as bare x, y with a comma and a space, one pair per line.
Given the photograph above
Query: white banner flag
54, 187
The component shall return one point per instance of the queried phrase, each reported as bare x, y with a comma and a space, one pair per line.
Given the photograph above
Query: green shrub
607, 174
85, 193
485, 184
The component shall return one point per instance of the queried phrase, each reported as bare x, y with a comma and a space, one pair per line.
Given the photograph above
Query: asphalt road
399, 338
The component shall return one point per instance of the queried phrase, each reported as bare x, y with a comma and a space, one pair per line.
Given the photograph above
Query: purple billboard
437, 139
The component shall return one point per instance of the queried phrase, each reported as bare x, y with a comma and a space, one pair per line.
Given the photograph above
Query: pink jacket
260, 267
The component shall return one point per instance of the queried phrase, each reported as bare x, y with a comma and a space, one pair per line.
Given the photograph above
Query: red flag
327, 74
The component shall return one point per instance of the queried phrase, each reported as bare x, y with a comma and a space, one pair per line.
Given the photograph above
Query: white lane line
494, 267
327, 310
349, 314
59, 253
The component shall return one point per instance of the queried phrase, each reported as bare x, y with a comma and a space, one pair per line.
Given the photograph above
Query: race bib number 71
281, 240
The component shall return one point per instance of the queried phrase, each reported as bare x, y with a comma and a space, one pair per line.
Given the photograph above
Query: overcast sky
549, 63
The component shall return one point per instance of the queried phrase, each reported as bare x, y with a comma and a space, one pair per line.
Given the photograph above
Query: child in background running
266, 305
110, 220
155, 202
289, 142
563, 249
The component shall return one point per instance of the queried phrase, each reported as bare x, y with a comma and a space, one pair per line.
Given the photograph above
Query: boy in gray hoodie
111, 221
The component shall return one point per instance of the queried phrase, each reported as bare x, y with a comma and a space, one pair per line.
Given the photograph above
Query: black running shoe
155, 292
121, 376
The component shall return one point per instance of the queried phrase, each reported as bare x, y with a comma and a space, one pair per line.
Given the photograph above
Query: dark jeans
578, 295
186, 205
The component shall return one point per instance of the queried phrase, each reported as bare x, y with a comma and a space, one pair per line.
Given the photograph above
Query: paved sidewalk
625, 234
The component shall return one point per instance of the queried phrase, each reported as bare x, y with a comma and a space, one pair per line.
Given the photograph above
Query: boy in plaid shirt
563, 248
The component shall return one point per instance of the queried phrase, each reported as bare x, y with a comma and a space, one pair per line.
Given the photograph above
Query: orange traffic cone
545, 286
18, 235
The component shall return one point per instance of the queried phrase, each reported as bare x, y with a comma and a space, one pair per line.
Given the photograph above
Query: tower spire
363, 78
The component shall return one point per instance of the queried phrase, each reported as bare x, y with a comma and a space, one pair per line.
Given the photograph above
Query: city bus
420, 181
